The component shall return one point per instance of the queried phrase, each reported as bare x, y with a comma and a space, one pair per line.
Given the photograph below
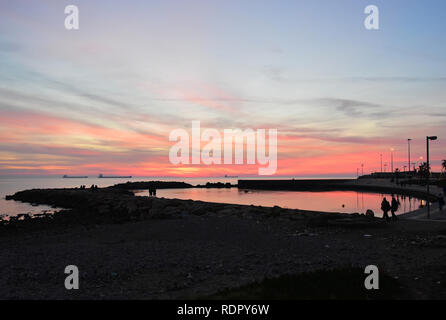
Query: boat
74, 177
226, 176
115, 177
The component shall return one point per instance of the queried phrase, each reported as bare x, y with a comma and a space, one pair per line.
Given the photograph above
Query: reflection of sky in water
16, 207
10, 185
319, 201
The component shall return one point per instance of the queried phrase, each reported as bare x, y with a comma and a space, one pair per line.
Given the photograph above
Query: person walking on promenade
385, 207
394, 208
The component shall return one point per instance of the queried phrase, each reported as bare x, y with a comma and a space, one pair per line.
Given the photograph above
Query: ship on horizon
65, 176
102, 176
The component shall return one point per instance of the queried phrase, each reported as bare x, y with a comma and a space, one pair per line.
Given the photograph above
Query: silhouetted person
385, 207
150, 191
394, 208
154, 191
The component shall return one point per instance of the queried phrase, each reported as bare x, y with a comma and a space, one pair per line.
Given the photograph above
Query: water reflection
321, 201
333, 201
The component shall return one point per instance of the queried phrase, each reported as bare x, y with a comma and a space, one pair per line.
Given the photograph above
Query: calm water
10, 185
333, 201
320, 201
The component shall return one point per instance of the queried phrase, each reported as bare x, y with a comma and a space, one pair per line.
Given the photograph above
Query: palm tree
423, 170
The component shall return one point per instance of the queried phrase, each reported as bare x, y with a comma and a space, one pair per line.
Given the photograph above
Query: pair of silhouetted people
92, 188
386, 206
152, 191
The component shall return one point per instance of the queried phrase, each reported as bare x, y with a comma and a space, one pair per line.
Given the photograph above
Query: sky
104, 98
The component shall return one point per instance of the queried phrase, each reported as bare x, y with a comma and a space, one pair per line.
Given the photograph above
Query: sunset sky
104, 98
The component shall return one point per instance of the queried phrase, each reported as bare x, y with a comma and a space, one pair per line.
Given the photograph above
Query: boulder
369, 213
275, 211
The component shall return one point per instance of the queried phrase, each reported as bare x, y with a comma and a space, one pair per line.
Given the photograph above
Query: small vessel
102, 176
74, 177
226, 176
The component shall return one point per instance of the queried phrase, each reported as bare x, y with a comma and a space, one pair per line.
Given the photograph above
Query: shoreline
310, 185
119, 204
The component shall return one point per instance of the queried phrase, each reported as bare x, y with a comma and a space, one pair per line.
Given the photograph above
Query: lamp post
408, 151
391, 157
428, 173
381, 162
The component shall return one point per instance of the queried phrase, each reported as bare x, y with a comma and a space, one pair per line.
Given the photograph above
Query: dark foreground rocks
119, 205
129, 247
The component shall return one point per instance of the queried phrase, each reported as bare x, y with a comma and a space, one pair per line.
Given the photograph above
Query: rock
226, 212
198, 209
317, 221
370, 214
275, 211
157, 210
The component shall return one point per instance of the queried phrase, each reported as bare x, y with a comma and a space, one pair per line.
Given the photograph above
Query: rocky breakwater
119, 205
217, 185
144, 185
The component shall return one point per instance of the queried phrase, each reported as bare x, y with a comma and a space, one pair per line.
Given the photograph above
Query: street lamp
428, 173
391, 156
408, 151
381, 162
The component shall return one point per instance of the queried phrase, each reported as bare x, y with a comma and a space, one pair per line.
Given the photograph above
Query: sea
330, 201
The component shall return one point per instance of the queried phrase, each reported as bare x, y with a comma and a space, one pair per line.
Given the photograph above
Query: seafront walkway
420, 213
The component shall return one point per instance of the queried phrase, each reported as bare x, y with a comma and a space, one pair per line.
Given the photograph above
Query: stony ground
190, 256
